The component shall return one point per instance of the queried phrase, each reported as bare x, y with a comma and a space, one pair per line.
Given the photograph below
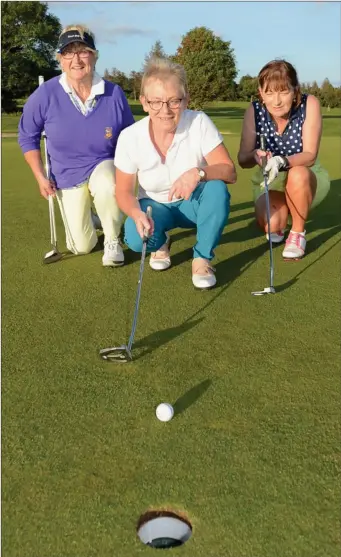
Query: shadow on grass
325, 216
98, 247
190, 397
241, 206
160, 338
294, 280
229, 270
227, 274
129, 255
225, 111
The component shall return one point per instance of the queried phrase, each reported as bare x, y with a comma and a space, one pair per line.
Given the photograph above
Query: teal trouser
207, 209
322, 179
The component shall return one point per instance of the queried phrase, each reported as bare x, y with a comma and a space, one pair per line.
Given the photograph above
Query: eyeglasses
172, 103
81, 53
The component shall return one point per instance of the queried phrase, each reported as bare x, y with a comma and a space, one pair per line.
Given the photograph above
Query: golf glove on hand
273, 166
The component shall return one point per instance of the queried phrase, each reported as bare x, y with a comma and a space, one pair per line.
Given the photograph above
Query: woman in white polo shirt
182, 167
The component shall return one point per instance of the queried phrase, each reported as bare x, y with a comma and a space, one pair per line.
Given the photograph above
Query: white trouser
75, 208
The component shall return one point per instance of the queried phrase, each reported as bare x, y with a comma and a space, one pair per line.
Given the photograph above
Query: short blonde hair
163, 69
81, 30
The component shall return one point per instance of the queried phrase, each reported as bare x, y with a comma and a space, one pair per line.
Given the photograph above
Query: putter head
267, 290
52, 256
120, 354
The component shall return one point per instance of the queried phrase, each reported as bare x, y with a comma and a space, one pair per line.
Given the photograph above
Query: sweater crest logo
108, 133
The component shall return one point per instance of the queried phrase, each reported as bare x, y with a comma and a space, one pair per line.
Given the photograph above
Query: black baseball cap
74, 36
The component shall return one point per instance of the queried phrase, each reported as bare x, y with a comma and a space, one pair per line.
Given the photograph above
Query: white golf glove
273, 166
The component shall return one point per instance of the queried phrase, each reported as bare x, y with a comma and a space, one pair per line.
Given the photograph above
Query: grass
227, 116
252, 456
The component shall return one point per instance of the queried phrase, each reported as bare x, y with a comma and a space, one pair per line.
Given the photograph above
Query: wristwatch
202, 175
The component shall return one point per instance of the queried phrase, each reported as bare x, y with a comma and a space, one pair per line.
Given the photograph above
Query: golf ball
164, 412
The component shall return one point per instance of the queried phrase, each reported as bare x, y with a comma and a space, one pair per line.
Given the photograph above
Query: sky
307, 34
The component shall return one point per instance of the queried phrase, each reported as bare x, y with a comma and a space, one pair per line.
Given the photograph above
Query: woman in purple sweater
82, 115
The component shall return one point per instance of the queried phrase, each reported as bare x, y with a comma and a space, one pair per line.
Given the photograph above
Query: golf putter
123, 353
269, 289
53, 255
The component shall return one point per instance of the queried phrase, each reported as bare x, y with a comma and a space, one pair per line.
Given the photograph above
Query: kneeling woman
292, 125
182, 167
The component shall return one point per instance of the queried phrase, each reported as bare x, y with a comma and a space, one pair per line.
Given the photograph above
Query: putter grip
263, 148
149, 215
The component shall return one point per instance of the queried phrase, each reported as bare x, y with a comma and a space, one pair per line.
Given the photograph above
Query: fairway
252, 455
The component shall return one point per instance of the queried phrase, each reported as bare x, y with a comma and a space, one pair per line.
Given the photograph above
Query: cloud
125, 30
107, 34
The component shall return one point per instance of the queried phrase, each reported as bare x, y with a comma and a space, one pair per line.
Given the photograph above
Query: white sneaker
203, 274
276, 237
294, 246
160, 260
96, 221
113, 254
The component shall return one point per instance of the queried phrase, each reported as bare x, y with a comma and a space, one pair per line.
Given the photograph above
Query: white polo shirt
195, 137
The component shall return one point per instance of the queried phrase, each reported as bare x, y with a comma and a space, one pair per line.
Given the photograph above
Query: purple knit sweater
75, 143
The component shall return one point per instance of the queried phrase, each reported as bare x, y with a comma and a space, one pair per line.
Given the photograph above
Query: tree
305, 87
338, 96
328, 94
247, 87
29, 38
315, 90
135, 79
209, 63
120, 78
231, 94
107, 75
156, 51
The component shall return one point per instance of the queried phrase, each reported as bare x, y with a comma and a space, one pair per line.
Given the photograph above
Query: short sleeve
125, 159
210, 136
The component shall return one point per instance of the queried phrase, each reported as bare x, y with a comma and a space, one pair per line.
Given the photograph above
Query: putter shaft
123, 353
271, 288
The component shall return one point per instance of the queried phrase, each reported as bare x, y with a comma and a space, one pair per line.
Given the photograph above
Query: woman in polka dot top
292, 125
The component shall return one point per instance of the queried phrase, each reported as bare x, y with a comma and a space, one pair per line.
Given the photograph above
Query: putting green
252, 455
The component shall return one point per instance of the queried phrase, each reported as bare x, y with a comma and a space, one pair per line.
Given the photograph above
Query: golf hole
163, 529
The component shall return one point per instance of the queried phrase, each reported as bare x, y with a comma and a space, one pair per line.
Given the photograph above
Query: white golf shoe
113, 254
276, 237
294, 246
160, 260
203, 274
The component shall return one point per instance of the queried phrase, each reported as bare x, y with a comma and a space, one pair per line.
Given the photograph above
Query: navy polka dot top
290, 142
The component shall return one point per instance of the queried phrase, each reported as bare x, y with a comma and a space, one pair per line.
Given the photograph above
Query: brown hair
280, 75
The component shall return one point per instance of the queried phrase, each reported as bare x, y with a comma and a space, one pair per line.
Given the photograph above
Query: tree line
245, 90
30, 36
328, 95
